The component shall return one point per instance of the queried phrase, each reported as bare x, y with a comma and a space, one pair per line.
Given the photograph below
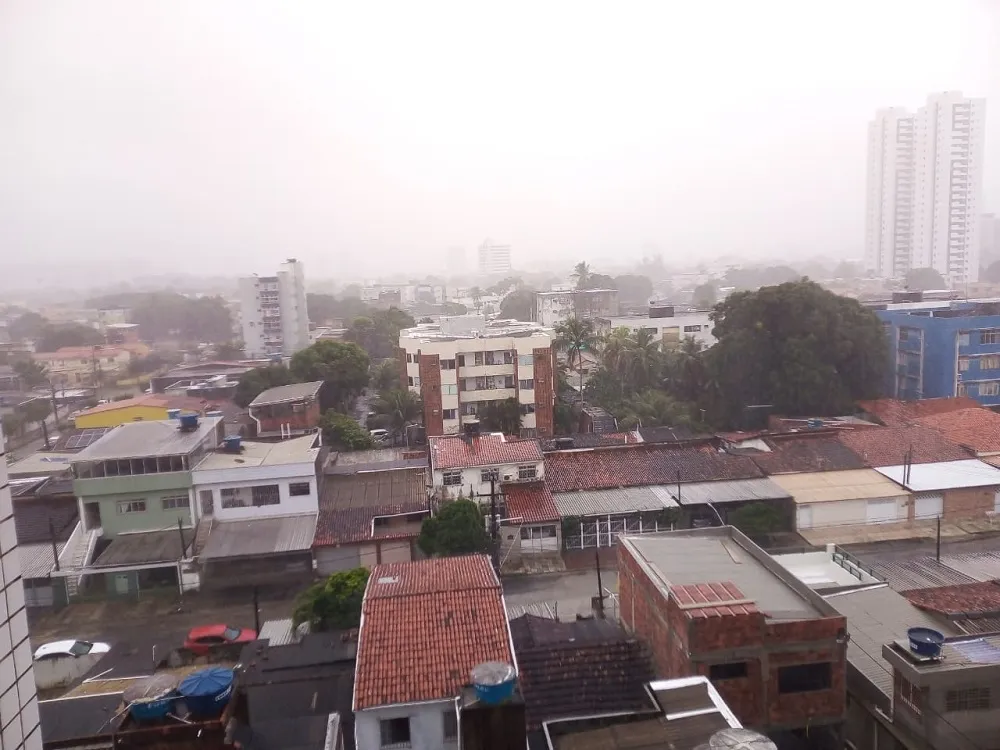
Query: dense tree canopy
922, 279
501, 416
398, 408
457, 529
229, 350
519, 305
633, 288
31, 373
169, 315
575, 336
53, 337
258, 380
27, 325
378, 332
343, 367
704, 296
344, 433
325, 308
333, 603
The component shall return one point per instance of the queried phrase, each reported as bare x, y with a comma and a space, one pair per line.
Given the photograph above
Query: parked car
203, 637
378, 434
69, 648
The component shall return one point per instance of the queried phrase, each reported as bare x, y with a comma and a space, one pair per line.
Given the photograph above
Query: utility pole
256, 612
493, 522
55, 404
55, 549
45, 434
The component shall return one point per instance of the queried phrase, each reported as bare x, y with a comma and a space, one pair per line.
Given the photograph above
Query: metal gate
602, 532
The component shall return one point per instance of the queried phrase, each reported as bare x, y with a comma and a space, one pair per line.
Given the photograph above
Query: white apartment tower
493, 259
925, 176
273, 315
19, 725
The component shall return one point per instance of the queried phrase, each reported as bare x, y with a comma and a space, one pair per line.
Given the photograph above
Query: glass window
527, 472
395, 732
525, 360
299, 489
963, 339
692, 329
526, 385
132, 506
449, 389
990, 336
265, 494
236, 497
447, 364
452, 478
733, 670
991, 388
963, 364
449, 413
485, 475
173, 503
79, 648
479, 359
989, 363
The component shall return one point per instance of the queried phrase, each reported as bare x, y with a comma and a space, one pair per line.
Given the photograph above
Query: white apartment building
19, 725
459, 364
670, 331
274, 319
924, 189
494, 259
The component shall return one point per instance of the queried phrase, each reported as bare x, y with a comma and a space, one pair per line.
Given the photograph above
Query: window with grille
990, 336
485, 475
909, 694
174, 503
526, 385
527, 472
452, 478
989, 363
991, 388
265, 494
963, 364
299, 489
967, 699
132, 506
395, 732
236, 497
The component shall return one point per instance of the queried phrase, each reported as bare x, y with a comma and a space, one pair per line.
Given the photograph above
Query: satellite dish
740, 739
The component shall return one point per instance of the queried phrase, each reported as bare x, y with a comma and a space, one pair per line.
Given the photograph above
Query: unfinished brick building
710, 602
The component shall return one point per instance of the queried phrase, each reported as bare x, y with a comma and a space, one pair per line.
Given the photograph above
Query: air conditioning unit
508, 477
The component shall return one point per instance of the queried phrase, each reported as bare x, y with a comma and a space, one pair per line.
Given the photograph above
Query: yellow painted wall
115, 417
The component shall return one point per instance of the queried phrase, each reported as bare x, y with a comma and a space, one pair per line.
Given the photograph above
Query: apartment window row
538, 532
131, 506
299, 489
985, 363
968, 699
489, 383
126, 467
479, 359
251, 497
991, 388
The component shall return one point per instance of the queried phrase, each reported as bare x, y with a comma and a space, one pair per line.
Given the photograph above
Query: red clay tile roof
978, 428
792, 455
455, 452
895, 413
717, 598
961, 599
636, 465
425, 625
531, 502
349, 503
889, 446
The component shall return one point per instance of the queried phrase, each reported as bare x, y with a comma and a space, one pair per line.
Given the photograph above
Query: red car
203, 637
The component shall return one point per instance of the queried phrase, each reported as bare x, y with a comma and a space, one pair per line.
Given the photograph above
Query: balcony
487, 394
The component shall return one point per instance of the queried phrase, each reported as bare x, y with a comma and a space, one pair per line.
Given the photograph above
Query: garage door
538, 539
804, 517
881, 511
929, 505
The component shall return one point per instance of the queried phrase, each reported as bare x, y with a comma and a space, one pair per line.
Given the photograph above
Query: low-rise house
948, 489
974, 428
45, 517
84, 365
216, 374
841, 498
710, 602
532, 525
287, 410
889, 446
439, 619
260, 502
370, 517
150, 407
470, 465
893, 412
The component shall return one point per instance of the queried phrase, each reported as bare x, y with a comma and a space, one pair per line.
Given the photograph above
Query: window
450, 726
992, 388
525, 360
174, 503
449, 389
449, 413
989, 336
486, 475
692, 329
527, 409
963, 364
526, 385
730, 671
132, 506
413, 381
479, 359
527, 472
538, 532
989, 363
235, 497
963, 339
804, 678
967, 699
909, 694
904, 334
265, 494
447, 364
409, 358
452, 478
299, 489
461, 360
962, 390
395, 732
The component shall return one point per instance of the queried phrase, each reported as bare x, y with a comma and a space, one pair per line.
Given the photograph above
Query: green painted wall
153, 519
94, 489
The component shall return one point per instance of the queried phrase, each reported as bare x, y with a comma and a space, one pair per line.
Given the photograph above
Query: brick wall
272, 418
404, 383
544, 391
430, 392
969, 503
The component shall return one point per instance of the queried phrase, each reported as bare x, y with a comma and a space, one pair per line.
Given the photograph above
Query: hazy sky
368, 137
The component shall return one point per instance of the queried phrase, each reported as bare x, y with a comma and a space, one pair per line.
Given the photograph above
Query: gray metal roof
876, 616
682, 558
36, 559
943, 475
914, 573
260, 536
148, 439
144, 548
614, 501
283, 393
980, 566
728, 491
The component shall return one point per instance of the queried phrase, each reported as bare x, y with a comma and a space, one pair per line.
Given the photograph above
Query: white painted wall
218, 479
473, 478
426, 725
846, 512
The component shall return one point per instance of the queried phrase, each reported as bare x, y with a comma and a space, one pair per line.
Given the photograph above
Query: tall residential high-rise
273, 314
493, 259
925, 176
19, 726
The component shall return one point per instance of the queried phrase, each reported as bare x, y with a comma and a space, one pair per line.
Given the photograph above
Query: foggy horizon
220, 138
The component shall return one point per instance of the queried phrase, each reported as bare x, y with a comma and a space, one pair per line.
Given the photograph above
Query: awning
260, 536
149, 547
728, 491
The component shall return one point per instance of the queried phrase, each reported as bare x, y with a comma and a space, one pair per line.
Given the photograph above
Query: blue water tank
207, 691
232, 443
189, 421
173, 413
494, 682
925, 641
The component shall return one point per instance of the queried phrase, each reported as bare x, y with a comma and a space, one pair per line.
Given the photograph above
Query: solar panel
85, 437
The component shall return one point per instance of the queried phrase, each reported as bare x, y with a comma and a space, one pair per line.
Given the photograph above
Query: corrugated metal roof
293, 392
914, 573
614, 501
728, 491
944, 475
260, 536
281, 633
829, 486
877, 616
538, 609
979, 566
36, 559
144, 439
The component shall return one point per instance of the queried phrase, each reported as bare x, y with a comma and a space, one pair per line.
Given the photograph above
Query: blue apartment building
944, 348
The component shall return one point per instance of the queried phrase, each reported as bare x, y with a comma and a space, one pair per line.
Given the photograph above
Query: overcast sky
366, 137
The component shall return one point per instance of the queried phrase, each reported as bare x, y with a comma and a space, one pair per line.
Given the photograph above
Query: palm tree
575, 336
581, 272
646, 357
400, 407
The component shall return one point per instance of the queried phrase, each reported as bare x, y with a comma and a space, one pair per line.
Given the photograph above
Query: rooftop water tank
189, 421
493, 682
814, 424
232, 443
173, 413
206, 692
740, 739
925, 641
151, 698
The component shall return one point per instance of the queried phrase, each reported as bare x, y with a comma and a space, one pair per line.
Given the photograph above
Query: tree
150, 363
229, 350
326, 308
501, 416
169, 315
477, 297
704, 296
457, 529
31, 373
518, 305
342, 432
27, 325
797, 347
454, 308
757, 519
258, 380
921, 279
847, 270
378, 332
581, 272
343, 368
333, 603
35, 410
385, 375
633, 288
652, 408
685, 371
400, 407
575, 336
54, 337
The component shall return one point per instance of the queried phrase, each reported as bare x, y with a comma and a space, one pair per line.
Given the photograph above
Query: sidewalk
892, 532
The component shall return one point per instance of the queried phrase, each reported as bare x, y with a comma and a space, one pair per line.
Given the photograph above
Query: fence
601, 532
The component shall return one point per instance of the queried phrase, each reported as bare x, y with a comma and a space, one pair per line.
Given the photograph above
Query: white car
70, 648
379, 434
